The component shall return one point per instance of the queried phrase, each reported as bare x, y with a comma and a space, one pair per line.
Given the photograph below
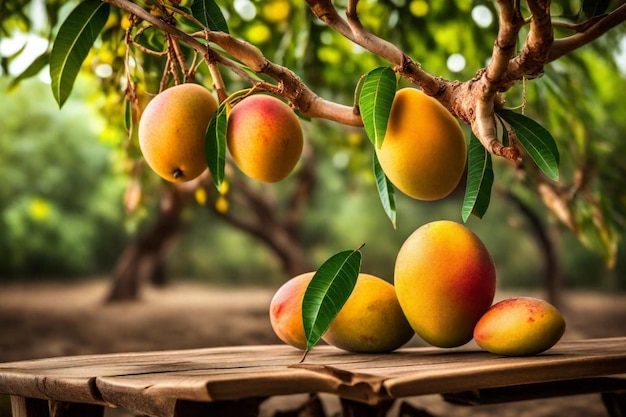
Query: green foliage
327, 292
60, 204
479, 180
576, 100
536, 140
216, 144
386, 191
375, 100
210, 15
75, 38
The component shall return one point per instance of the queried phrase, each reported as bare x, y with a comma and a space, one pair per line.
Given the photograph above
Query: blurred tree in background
60, 197
569, 230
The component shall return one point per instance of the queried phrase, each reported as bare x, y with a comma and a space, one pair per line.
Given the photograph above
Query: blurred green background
65, 172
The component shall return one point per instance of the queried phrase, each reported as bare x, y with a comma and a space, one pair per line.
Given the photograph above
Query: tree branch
353, 30
511, 21
534, 53
473, 101
490, 81
290, 86
601, 25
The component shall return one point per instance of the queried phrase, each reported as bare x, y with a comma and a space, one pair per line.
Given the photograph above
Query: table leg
248, 407
29, 407
358, 409
615, 403
64, 409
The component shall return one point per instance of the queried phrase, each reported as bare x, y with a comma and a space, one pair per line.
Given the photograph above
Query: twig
353, 30
564, 46
218, 81
295, 91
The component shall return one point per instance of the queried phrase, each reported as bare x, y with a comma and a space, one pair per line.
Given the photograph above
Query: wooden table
233, 381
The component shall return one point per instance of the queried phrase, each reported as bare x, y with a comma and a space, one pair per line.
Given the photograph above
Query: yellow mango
423, 152
519, 326
172, 131
264, 137
371, 320
445, 279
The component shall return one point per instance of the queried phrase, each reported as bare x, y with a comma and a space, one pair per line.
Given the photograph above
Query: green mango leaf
72, 44
386, 191
479, 180
33, 69
377, 92
537, 141
502, 131
128, 114
210, 15
327, 292
215, 144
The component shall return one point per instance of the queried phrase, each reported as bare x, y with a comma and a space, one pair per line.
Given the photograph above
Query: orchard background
85, 226
77, 199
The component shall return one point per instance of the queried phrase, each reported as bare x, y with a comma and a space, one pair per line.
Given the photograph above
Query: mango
423, 152
519, 326
445, 280
172, 131
286, 310
264, 137
371, 320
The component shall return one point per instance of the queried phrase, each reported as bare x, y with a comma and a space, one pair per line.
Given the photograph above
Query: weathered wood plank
568, 360
155, 383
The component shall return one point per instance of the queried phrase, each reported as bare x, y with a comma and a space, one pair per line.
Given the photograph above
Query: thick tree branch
600, 26
534, 53
511, 21
473, 101
353, 30
290, 86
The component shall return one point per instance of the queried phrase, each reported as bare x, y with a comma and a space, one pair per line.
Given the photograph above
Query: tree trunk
551, 272
144, 258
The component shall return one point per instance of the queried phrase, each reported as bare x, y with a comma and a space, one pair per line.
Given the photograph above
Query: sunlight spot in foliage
103, 70
419, 8
620, 55
30, 45
329, 55
326, 37
341, 160
456, 62
394, 18
39, 209
482, 16
245, 8
258, 33
277, 11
